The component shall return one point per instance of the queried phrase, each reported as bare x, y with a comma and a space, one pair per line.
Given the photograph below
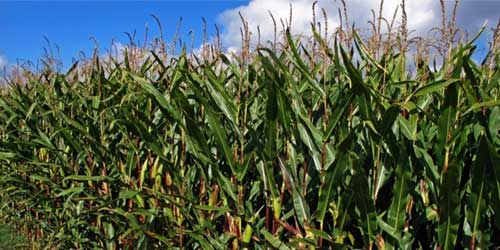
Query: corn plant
278, 149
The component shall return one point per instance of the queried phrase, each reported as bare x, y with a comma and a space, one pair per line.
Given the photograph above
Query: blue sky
70, 24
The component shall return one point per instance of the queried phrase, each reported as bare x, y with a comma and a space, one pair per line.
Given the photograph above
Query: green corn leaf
220, 136
71, 191
297, 60
332, 179
337, 116
357, 82
220, 97
366, 206
389, 117
275, 242
397, 214
476, 206
301, 208
227, 186
493, 180
408, 127
7, 155
479, 105
308, 140
432, 87
86, 178
446, 126
449, 208
150, 89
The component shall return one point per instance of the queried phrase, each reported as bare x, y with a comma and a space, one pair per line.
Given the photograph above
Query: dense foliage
9, 240
278, 148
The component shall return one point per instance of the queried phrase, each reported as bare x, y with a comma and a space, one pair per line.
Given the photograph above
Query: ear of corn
282, 151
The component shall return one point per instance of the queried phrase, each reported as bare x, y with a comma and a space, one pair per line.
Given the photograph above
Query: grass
291, 146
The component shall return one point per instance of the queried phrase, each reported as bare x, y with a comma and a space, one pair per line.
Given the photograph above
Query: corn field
283, 147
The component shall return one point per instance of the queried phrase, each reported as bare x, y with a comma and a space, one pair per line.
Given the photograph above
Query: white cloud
422, 15
3, 62
256, 14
